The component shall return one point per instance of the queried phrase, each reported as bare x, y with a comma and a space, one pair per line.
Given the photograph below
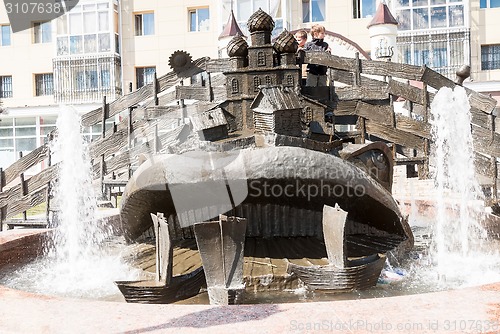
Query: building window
144, 24
44, 84
419, 15
261, 59
42, 32
90, 28
5, 86
268, 80
289, 80
235, 86
5, 35
256, 83
364, 8
245, 8
199, 19
490, 57
144, 75
443, 52
489, 3
313, 10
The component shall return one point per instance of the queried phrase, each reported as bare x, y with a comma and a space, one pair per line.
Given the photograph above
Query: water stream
459, 250
77, 261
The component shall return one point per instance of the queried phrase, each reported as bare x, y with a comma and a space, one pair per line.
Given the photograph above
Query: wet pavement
469, 310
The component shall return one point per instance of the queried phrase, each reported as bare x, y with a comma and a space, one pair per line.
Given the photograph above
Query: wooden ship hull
153, 292
332, 278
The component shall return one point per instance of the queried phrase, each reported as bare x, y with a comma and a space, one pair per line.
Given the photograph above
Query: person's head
301, 37
318, 31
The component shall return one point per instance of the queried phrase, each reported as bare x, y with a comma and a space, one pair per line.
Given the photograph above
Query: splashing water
78, 262
457, 250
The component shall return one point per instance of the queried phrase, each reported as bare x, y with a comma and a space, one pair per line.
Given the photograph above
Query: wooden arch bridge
153, 121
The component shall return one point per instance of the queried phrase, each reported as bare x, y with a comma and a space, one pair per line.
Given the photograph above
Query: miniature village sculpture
237, 168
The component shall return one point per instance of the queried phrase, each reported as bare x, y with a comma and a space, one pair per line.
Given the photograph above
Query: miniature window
268, 80
289, 80
235, 86
256, 84
261, 59
308, 114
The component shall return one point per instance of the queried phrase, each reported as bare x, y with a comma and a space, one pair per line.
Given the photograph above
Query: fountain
76, 261
262, 195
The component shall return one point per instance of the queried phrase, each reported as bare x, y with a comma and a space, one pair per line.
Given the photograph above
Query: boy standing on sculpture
316, 74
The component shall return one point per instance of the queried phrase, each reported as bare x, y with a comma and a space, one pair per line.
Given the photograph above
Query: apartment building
107, 47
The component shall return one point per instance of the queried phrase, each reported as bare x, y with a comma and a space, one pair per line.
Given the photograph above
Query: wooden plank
114, 164
29, 160
342, 76
361, 93
95, 116
481, 119
219, 65
31, 223
387, 68
326, 59
480, 101
109, 145
10, 195
166, 98
193, 93
483, 165
158, 111
345, 108
484, 143
392, 135
406, 91
164, 82
476, 100
377, 113
435, 79
25, 203
409, 161
413, 126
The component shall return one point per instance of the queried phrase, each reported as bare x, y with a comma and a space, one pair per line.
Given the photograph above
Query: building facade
109, 47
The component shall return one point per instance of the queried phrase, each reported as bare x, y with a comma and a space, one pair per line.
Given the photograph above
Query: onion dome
260, 21
285, 43
237, 47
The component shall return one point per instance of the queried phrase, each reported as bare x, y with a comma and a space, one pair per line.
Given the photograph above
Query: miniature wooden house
210, 125
277, 109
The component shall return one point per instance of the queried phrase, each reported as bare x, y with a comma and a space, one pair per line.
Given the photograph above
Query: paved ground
471, 310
